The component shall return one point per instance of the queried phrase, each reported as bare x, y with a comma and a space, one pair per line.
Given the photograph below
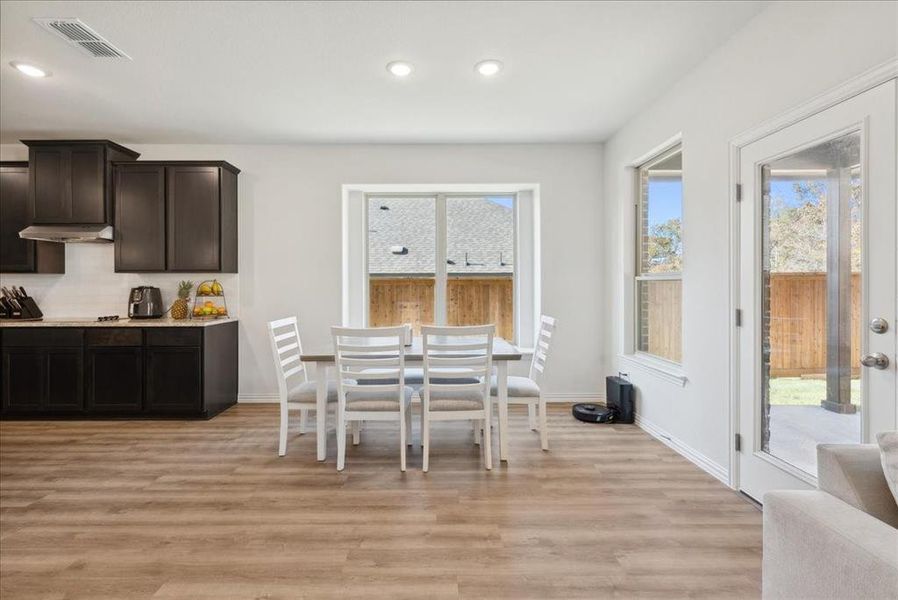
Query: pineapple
179, 308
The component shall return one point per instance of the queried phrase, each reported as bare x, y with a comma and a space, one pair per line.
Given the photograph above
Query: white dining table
323, 359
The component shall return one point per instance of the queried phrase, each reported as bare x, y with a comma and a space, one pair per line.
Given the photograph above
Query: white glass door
817, 283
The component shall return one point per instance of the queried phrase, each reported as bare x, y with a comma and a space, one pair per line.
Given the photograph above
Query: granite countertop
85, 322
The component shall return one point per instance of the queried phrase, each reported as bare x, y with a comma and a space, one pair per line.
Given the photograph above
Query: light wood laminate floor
206, 510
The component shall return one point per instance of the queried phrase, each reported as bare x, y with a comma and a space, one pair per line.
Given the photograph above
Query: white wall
786, 55
290, 227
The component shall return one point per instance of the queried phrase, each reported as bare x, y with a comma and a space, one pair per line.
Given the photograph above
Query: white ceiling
279, 72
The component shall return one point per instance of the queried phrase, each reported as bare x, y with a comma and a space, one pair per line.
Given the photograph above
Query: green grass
795, 390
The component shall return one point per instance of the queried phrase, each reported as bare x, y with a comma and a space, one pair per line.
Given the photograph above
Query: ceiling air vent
75, 32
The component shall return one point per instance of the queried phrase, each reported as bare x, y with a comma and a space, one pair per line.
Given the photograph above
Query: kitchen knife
15, 311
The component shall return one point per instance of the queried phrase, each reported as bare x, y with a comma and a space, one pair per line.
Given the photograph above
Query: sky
666, 200
785, 190
505, 201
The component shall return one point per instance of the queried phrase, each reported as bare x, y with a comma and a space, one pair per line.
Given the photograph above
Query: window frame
527, 250
673, 147
441, 273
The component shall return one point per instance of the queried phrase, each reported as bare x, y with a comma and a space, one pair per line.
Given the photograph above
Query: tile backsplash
90, 287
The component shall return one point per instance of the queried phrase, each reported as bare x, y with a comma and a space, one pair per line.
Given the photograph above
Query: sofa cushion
853, 473
818, 547
888, 455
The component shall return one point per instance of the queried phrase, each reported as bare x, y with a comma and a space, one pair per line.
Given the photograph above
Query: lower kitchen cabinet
24, 376
174, 380
63, 372
115, 380
42, 381
65, 381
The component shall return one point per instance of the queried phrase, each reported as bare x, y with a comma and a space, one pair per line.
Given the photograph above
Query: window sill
659, 368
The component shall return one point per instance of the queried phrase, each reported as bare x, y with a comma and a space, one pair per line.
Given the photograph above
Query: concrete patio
795, 431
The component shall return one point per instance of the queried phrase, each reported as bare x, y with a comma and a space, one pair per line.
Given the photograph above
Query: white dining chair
457, 367
296, 391
378, 354
527, 390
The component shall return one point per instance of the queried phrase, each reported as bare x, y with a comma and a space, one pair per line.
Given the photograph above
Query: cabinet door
65, 382
88, 189
194, 219
174, 380
16, 254
24, 380
51, 198
114, 380
139, 218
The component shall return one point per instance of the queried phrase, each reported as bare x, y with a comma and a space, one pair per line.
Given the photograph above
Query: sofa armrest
853, 473
816, 546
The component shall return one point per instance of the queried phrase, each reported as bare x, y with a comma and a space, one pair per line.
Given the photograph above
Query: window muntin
443, 259
659, 256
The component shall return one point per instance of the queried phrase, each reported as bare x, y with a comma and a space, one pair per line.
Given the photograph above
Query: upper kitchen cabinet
139, 217
176, 216
71, 180
18, 255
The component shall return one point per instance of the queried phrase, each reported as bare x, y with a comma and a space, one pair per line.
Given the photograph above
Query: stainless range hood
68, 234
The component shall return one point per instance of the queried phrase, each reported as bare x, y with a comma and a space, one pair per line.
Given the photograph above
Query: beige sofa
839, 541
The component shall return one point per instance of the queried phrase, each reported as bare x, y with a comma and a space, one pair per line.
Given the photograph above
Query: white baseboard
576, 397
257, 398
569, 397
691, 454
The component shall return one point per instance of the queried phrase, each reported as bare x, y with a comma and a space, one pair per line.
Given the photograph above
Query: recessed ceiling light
399, 68
488, 68
29, 70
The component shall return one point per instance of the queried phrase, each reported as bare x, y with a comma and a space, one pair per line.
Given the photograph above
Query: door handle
877, 360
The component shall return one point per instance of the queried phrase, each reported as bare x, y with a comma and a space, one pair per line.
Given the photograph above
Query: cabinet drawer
118, 336
174, 337
27, 337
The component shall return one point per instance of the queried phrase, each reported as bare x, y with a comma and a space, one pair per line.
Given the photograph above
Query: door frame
857, 85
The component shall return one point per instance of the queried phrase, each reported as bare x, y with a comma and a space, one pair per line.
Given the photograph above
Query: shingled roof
480, 235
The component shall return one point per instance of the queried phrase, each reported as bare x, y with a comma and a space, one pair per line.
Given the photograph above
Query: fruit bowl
209, 301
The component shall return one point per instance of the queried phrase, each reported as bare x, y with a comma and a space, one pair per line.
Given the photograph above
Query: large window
441, 259
659, 256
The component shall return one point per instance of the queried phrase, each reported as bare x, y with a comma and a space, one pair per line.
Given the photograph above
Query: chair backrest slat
286, 349
541, 347
375, 355
457, 359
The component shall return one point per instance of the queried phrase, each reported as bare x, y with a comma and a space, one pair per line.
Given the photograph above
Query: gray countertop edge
139, 323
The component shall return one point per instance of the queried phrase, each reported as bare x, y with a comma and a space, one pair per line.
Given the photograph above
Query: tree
797, 228
665, 247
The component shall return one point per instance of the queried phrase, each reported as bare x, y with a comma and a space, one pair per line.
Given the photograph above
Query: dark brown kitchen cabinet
107, 371
18, 255
42, 380
71, 180
139, 217
115, 361
174, 380
24, 378
199, 208
65, 369
42, 373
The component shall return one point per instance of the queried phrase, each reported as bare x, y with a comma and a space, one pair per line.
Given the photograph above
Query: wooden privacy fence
797, 307
470, 301
662, 310
798, 324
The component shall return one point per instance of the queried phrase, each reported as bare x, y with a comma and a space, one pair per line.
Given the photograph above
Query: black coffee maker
145, 303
